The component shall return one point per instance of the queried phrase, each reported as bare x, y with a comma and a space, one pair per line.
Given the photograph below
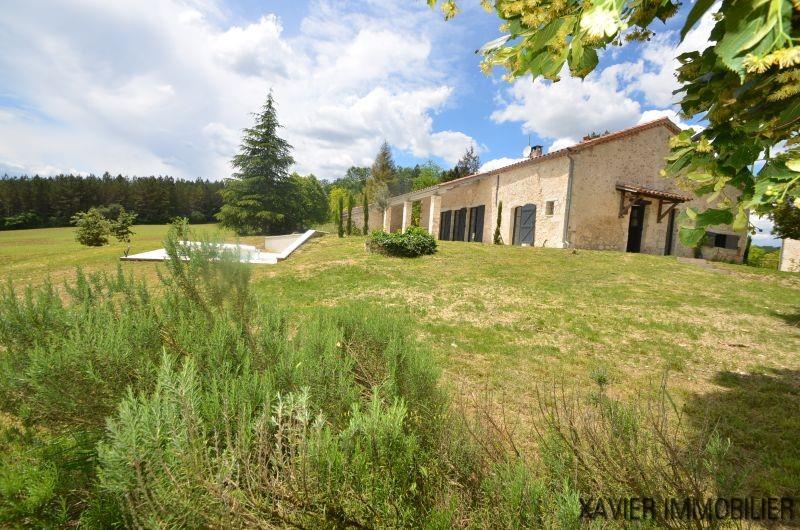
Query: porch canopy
631, 194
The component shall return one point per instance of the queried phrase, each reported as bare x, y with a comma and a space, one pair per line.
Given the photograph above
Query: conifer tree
340, 216
365, 209
349, 214
469, 164
255, 197
384, 169
498, 238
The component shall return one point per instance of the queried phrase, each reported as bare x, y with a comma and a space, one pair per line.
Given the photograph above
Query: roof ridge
664, 120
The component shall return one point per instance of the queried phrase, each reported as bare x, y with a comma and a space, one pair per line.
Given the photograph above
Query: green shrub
20, 221
197, 218
764, 258
92, 228
413, 242
121, 226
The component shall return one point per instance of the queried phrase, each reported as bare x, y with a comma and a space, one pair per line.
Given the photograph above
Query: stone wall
375, 218
475, 192
534, 184
790, 256
594, 220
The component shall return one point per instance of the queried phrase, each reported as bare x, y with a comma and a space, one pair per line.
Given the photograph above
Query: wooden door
444, 225
460, 225
636, 228
476, 224
525, 225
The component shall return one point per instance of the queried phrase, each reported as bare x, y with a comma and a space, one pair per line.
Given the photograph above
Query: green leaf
698, 10
691, 213
746, 24
691, 237
582, 60
700, 176
741, 222
545, 36
713, 217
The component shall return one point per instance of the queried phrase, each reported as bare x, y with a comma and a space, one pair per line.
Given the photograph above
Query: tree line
34, 202
261, 197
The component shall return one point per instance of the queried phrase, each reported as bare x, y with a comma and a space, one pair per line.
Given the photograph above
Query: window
549, 207
716, 240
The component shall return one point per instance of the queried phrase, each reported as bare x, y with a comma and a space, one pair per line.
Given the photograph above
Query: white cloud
562, 143
763, 235
570, 108
613, 98
166, 87
498, 163
659, 62
651, 115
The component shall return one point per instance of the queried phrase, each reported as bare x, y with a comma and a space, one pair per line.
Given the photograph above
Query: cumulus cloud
615, 97
658, 62
166, 87
497, 163
654, 114
763, 235
570, 108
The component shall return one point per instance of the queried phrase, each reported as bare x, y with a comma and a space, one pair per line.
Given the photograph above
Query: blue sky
165, 86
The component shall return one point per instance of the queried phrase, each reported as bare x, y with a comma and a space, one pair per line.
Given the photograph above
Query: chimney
536, 150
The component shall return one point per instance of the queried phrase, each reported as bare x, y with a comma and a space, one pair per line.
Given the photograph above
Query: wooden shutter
460, 225
444, 226
527, 224
478, 224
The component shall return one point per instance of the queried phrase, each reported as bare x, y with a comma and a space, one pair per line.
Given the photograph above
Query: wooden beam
625, 206
663, 213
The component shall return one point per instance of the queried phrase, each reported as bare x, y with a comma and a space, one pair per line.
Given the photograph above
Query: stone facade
576, 196
636, 159
790, 256
375, 218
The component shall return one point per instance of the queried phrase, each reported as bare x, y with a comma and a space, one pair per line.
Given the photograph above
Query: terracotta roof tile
666, 122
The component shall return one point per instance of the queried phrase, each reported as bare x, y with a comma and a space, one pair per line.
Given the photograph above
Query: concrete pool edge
284, 246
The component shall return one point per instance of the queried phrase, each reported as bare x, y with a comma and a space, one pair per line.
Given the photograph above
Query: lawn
505, 320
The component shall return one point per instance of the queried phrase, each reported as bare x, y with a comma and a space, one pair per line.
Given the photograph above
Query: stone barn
604, 193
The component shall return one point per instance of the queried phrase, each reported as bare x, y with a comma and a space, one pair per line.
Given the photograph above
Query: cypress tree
365, 209
498, 239
349, 214
254, 198
339, 220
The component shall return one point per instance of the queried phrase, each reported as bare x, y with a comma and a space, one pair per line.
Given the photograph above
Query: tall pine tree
382, 174
254, 199
384, 169
469, 164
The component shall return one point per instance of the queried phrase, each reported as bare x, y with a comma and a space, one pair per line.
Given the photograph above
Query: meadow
504, 322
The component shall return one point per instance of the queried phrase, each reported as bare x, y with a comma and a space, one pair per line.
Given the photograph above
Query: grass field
506, 320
